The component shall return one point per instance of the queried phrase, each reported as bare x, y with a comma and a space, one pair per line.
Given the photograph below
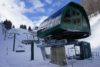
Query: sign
27, 41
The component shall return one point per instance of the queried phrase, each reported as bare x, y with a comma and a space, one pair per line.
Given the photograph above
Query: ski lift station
65, 27
70, 22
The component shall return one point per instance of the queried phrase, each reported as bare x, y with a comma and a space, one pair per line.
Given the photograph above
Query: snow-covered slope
95, 32
3, 62
8, 58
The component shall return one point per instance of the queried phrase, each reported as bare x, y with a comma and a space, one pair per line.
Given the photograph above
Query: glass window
73, 13
76, 21
67, 14
67, 17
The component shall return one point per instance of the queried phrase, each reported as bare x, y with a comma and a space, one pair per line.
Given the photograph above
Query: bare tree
91, 6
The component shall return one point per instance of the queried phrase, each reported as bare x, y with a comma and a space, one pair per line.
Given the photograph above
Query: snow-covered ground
8, 58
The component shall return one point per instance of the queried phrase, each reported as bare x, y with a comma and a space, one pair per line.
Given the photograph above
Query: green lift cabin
70, 22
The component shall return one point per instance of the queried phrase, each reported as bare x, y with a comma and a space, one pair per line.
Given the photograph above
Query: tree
36, 28
23, 26
7, 24
29, 29
91, 6
13, 26
98, 4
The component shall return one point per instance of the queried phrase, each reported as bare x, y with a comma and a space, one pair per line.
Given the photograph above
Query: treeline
25, 27
91, 6
8, 25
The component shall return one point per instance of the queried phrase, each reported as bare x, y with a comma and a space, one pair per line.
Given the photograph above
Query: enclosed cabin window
67, 16
72, 15
72, 18
76, 16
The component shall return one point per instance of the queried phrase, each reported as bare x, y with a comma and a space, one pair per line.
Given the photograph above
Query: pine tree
23, 27
7, 24
13, 26
29, 29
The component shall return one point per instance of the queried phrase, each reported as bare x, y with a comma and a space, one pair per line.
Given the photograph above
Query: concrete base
58, 55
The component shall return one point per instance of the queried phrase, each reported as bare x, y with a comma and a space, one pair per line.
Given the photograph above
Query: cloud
40, 20
37, 4
48, 1
22, 6
10, 10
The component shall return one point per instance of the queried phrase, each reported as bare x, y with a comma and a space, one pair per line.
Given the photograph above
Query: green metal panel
51, 31
76, 25
85, 50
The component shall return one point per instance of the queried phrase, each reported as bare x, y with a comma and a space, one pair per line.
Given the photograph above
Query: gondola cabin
70, 22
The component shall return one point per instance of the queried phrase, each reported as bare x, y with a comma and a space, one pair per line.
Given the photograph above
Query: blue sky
29, 12
50, 6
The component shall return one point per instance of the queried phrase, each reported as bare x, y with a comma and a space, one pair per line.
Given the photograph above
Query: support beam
43, 53
14, 42
32, 51
58, 55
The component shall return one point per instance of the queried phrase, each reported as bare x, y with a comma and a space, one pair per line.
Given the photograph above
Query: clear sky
30, 11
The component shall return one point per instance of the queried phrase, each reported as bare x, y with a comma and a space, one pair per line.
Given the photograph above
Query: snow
95, 32
8, 58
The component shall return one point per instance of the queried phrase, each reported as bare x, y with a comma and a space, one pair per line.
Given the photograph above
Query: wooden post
58, 55
32, 51
14, 41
